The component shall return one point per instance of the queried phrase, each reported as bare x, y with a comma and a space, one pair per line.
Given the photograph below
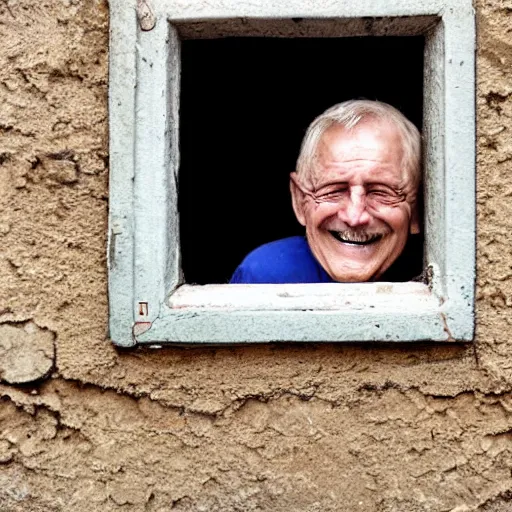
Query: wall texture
86, 427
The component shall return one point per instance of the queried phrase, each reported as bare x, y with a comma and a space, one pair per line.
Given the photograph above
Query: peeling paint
446, 328
145, 15
141, 327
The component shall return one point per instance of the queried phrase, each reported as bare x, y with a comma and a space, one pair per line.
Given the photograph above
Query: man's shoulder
288, 260
283, 248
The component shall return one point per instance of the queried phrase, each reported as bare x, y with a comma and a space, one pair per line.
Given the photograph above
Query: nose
354, 212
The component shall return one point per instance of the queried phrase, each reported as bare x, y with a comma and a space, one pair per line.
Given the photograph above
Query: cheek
398, 221
315, 217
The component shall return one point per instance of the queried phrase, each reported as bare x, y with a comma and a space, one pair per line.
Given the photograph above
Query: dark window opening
244, 108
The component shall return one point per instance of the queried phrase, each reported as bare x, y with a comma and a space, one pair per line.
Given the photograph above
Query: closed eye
332, 196
332, 193
385, 195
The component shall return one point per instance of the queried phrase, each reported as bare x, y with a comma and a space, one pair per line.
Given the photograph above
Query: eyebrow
394, 185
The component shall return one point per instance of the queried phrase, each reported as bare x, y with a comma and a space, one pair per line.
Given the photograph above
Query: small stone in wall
26, 352
61, 171
7, 451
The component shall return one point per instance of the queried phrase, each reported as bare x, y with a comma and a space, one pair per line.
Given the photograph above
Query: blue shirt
284, 261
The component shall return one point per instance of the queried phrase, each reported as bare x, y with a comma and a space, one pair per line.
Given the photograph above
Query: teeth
356, 237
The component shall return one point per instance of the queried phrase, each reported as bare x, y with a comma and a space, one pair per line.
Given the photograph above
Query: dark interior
245, 106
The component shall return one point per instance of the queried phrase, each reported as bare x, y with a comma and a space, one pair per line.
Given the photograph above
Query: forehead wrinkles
341, 149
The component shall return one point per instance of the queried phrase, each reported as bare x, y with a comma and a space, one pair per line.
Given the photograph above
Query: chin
353, 264
356, 271
347, 269
353, 277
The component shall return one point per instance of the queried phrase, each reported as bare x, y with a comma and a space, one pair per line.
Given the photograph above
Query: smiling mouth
349, 237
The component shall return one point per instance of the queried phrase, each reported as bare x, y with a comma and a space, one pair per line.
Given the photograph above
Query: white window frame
149, 304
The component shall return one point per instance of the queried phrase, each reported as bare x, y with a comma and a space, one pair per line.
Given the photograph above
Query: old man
355, 191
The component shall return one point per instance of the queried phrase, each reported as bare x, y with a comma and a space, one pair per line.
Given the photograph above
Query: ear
298, 199
414, 225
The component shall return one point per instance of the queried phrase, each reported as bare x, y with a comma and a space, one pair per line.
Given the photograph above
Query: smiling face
358, 204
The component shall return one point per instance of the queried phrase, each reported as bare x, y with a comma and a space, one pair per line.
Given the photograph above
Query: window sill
230, 314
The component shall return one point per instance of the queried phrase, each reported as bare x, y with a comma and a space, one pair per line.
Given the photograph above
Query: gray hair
348, 115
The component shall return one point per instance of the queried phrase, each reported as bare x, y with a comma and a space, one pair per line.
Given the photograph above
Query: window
431, 43
245, 104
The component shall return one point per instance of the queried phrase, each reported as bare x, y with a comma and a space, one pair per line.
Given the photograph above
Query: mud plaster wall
85, 427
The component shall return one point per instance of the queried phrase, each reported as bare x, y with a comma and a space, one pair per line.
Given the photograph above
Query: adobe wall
86, 427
